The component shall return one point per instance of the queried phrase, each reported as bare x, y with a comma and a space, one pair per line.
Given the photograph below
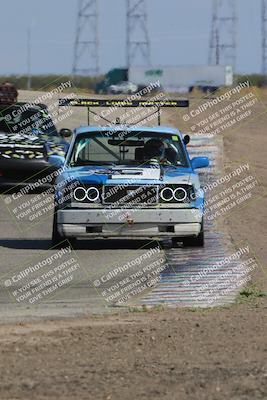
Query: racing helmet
154, 148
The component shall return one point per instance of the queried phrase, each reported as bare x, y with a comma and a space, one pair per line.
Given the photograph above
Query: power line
222, 47
86, 47
264, 35
137, 42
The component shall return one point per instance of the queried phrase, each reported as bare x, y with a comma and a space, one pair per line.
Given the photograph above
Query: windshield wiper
88, 162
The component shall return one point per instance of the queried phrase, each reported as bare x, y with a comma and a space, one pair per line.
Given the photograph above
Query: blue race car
122, 181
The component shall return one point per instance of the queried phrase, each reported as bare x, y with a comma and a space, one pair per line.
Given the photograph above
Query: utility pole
222, 47
138, 43
264, 35
86, 47
29, 81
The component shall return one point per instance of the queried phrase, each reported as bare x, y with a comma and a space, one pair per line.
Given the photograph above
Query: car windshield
28, 122
128, 148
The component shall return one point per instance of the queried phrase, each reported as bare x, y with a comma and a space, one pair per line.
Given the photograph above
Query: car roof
118, 128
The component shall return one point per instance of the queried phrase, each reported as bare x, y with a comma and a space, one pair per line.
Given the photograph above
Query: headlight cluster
174, 194
167, 194
83, 194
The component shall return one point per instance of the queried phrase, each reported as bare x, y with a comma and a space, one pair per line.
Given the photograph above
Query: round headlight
180, 194
92, 194
166, 194
79, 193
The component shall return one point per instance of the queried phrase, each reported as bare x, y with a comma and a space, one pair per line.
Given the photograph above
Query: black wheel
72, 242
58, 240
175, 240
56, 237
193, 241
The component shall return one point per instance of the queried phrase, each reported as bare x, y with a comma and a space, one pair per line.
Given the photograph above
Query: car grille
132, 194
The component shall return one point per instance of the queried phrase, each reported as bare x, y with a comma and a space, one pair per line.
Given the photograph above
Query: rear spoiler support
90, 103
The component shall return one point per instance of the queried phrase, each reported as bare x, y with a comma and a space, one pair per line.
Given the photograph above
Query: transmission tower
138, 44
86, 47
264, 35
222, 48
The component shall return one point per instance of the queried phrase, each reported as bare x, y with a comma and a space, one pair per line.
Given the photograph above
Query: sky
179, 33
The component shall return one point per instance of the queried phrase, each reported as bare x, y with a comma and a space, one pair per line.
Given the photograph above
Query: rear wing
90, 103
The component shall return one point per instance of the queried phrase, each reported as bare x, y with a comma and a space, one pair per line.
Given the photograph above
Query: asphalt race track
98, 275
18, 248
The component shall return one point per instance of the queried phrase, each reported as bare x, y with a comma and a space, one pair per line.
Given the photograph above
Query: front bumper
129, 223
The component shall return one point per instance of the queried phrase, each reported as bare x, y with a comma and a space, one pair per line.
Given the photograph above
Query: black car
28, 140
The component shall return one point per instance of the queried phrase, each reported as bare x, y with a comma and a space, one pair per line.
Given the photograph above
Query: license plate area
130, 195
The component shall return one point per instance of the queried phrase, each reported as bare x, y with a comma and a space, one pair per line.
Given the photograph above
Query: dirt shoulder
210, 354
248, 144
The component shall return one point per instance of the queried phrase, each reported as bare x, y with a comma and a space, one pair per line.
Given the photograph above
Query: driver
154, 150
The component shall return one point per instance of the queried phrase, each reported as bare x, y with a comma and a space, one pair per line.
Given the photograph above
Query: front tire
192, 241
56, 238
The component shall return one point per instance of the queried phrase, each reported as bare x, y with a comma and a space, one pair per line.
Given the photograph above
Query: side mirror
200, 162
186, 139
65, 132
56, 161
